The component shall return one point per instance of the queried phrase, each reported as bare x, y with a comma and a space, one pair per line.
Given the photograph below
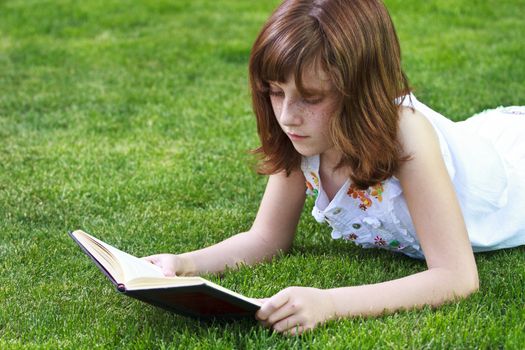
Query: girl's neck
332, 178
329, 159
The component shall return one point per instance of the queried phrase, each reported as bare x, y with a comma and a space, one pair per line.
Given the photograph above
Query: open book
137, 278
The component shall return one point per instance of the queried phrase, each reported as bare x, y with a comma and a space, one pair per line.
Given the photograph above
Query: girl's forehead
315, 74
312, 79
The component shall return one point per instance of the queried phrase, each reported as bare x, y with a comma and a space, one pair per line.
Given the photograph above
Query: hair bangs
287, 54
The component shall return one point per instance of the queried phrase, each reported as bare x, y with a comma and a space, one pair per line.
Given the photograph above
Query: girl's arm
439, 223
440, 227
272, 231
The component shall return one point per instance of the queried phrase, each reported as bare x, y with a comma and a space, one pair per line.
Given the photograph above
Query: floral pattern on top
351, 237
313, 189
362, 217
365, 196
395, 244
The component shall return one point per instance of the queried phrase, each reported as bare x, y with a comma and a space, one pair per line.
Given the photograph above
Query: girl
334, 110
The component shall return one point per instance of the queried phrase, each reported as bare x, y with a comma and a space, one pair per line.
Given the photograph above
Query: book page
129, 266
139, 275
231, 292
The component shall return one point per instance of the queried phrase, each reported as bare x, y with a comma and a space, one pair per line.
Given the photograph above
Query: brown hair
355, 43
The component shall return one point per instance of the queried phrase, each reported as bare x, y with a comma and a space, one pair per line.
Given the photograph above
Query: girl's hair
354, 42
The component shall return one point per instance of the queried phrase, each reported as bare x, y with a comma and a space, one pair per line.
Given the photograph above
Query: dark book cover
198, 301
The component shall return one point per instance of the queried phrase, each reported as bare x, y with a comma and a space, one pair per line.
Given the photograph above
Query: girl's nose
290, 114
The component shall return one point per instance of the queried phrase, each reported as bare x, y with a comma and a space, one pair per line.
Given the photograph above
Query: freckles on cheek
320, 117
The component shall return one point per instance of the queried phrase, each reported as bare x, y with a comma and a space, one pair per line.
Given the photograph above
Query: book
137, 278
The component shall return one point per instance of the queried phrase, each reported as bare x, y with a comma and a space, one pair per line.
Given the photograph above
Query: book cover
189, 296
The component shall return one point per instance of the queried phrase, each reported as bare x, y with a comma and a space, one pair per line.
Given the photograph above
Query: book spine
121, 287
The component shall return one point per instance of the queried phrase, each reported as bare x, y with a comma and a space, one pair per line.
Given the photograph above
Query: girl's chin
306, 152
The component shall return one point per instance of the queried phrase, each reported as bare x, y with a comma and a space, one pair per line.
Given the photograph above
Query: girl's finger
282, 313
153, 259
168, 271
287, 324
295, 331
270, 306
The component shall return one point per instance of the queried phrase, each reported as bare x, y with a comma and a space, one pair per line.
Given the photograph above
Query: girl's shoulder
415, 133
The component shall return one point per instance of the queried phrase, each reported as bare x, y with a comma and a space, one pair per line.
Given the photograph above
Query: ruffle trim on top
383, 228
366, 218
395, 198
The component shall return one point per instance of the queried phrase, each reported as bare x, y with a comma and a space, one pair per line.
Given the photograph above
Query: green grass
131, 120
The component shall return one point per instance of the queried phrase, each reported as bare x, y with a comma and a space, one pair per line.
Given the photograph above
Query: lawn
132, 121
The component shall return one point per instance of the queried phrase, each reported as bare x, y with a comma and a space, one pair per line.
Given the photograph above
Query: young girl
334, 110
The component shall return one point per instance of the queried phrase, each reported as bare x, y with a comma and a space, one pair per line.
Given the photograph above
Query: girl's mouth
296, 137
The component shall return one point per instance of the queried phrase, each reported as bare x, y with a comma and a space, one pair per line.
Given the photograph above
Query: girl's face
306, 119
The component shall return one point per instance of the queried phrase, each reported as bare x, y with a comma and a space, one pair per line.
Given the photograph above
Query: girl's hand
170, 264
296, 309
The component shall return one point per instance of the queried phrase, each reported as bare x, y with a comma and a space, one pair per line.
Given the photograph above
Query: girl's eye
313, 100
276, 93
